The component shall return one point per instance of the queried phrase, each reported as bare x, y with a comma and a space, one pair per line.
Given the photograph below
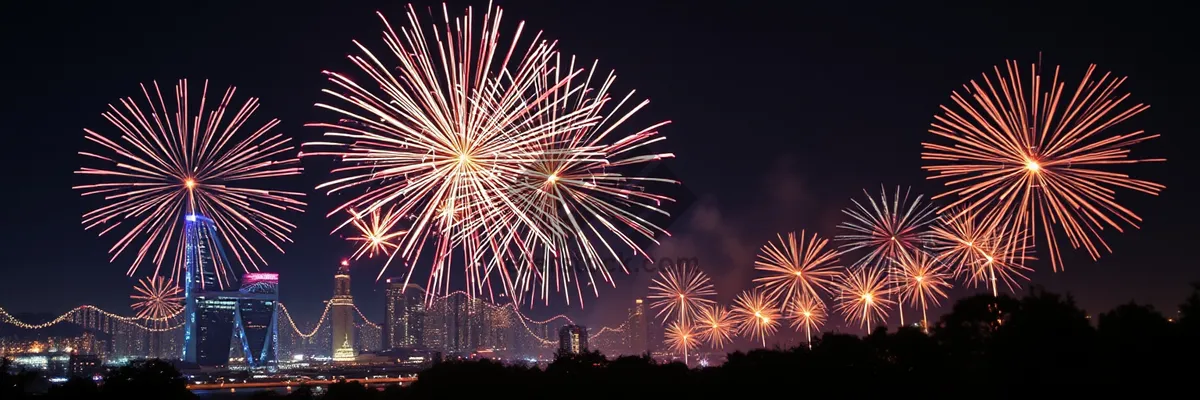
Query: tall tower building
404, 315
637, 333
342, 308
256, 319
573, 339
209, 313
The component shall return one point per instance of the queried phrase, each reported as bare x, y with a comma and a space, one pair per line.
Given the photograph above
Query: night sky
781, 114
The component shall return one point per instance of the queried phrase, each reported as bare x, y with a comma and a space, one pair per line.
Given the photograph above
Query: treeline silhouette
987, 347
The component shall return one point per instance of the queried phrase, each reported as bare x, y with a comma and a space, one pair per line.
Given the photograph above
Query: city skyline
723, 234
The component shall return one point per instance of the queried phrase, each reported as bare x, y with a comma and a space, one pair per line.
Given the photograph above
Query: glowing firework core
1033, 166
189, 183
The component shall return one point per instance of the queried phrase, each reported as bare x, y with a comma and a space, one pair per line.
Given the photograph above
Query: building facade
573, 339
637, 332
342, 311
404, 315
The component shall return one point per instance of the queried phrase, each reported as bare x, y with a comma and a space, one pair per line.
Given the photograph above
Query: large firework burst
682, 338
497, 154
756, 314
1029, 153
157, 298
680, 291
887, 228
168, 163
807, 312
922, 280
797, 269
376, 235
864, 296
716, 325
980, 248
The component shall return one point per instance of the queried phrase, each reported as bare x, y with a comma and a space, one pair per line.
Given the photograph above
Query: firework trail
756, 315
922, 280
1029, 153
682, 338
864, 296
807, 312
377, 233
887, 228
681, 291
157, 298
981, 249
796, 269
498, 153
167, 163
716, 325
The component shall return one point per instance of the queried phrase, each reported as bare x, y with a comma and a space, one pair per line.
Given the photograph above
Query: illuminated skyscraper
343, 316
637, 330
256, 320
208, 313
404, 315
573, 339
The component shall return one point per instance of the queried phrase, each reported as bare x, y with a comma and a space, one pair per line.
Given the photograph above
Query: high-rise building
256, 320
208, 312
637, 331
342, 308
404, 315
573, 339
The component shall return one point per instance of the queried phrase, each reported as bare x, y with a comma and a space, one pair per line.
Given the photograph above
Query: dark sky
781, 114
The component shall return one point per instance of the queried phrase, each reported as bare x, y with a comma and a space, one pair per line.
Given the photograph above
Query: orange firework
807, 312
1030, 153
864, 296
377, 233
157, 299
681, 291
981, 250
796, 269
756, 315
716, 326
921, 281
682, 338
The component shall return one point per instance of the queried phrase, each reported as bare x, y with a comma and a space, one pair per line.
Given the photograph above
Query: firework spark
796, 269
980, 249
168, 163
864, 295
498, 155
682, 338
1027, 153
157, 298
887, 228
376, 233
716, 325
922, 280
756, 315
807, 312
680, 291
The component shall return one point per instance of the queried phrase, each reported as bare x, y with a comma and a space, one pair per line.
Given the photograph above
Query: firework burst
886, 228
682, 338
864, 296
716, 325
756, 315
377, 233
922, 280
498, 155
797, 269
807, 312
168, 163
981, 250
157, 298
1030, 153
680, 291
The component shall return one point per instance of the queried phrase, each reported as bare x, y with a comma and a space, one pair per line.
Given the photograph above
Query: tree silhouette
152, 379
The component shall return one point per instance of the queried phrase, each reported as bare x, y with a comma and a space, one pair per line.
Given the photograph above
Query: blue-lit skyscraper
219, 313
